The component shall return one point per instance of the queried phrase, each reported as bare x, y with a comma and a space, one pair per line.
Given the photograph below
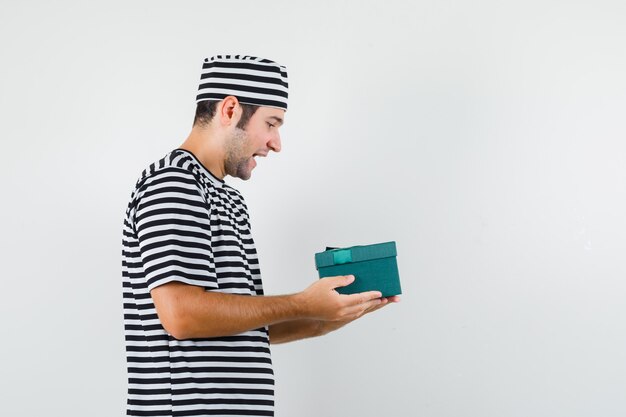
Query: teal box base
374, 267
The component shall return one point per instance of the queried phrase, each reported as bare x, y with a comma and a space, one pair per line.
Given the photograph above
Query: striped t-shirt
183, 224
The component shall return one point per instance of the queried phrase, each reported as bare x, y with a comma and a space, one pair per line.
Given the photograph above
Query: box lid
355, 254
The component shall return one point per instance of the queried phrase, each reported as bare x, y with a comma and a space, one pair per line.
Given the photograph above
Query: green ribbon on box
342, 256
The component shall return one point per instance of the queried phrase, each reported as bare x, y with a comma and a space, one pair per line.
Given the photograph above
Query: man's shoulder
172, 176
174, 166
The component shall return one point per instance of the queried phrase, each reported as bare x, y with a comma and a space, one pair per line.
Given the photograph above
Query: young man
197, 325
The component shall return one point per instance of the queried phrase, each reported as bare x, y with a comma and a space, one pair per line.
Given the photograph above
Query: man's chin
246, 171
245, 176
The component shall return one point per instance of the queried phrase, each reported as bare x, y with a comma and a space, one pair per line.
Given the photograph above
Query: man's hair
205, 111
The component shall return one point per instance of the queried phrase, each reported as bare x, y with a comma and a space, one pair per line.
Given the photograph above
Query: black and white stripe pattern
252, 80
183, 224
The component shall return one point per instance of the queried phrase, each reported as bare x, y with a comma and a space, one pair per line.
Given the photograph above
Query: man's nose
274, 143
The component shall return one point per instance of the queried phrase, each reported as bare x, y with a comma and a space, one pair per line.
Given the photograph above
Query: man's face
257, 139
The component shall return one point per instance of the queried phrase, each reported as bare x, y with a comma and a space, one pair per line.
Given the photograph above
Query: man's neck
208, 149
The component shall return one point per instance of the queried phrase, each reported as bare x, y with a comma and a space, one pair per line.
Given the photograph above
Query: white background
487, 138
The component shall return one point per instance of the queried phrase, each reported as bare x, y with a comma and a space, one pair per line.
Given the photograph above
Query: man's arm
188, 311
290, 331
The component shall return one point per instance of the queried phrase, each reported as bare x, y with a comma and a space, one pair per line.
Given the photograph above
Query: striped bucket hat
252, 80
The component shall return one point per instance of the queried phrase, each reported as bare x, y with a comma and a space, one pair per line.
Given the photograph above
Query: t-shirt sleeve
172, 222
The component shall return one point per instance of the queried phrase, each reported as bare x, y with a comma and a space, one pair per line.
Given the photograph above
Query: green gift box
374, 267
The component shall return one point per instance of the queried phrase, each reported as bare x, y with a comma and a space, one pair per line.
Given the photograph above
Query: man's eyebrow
278, 119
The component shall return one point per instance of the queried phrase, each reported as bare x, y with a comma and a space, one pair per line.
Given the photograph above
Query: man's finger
339, 281
363, 297
380, 305
371, 295
363, 308
376, 303
358, 310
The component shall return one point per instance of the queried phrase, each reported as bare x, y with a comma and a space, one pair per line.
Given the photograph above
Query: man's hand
302, 329
320, 301
325, 327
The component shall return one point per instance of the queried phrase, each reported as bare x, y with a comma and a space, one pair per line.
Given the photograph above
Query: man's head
245, 140
245, 98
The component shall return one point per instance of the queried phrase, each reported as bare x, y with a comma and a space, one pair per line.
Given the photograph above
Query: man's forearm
191, 312
290, 331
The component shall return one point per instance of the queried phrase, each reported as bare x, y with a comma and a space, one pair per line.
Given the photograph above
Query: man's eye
270, 125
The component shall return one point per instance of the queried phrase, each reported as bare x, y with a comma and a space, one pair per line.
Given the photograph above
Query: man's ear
229, 111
